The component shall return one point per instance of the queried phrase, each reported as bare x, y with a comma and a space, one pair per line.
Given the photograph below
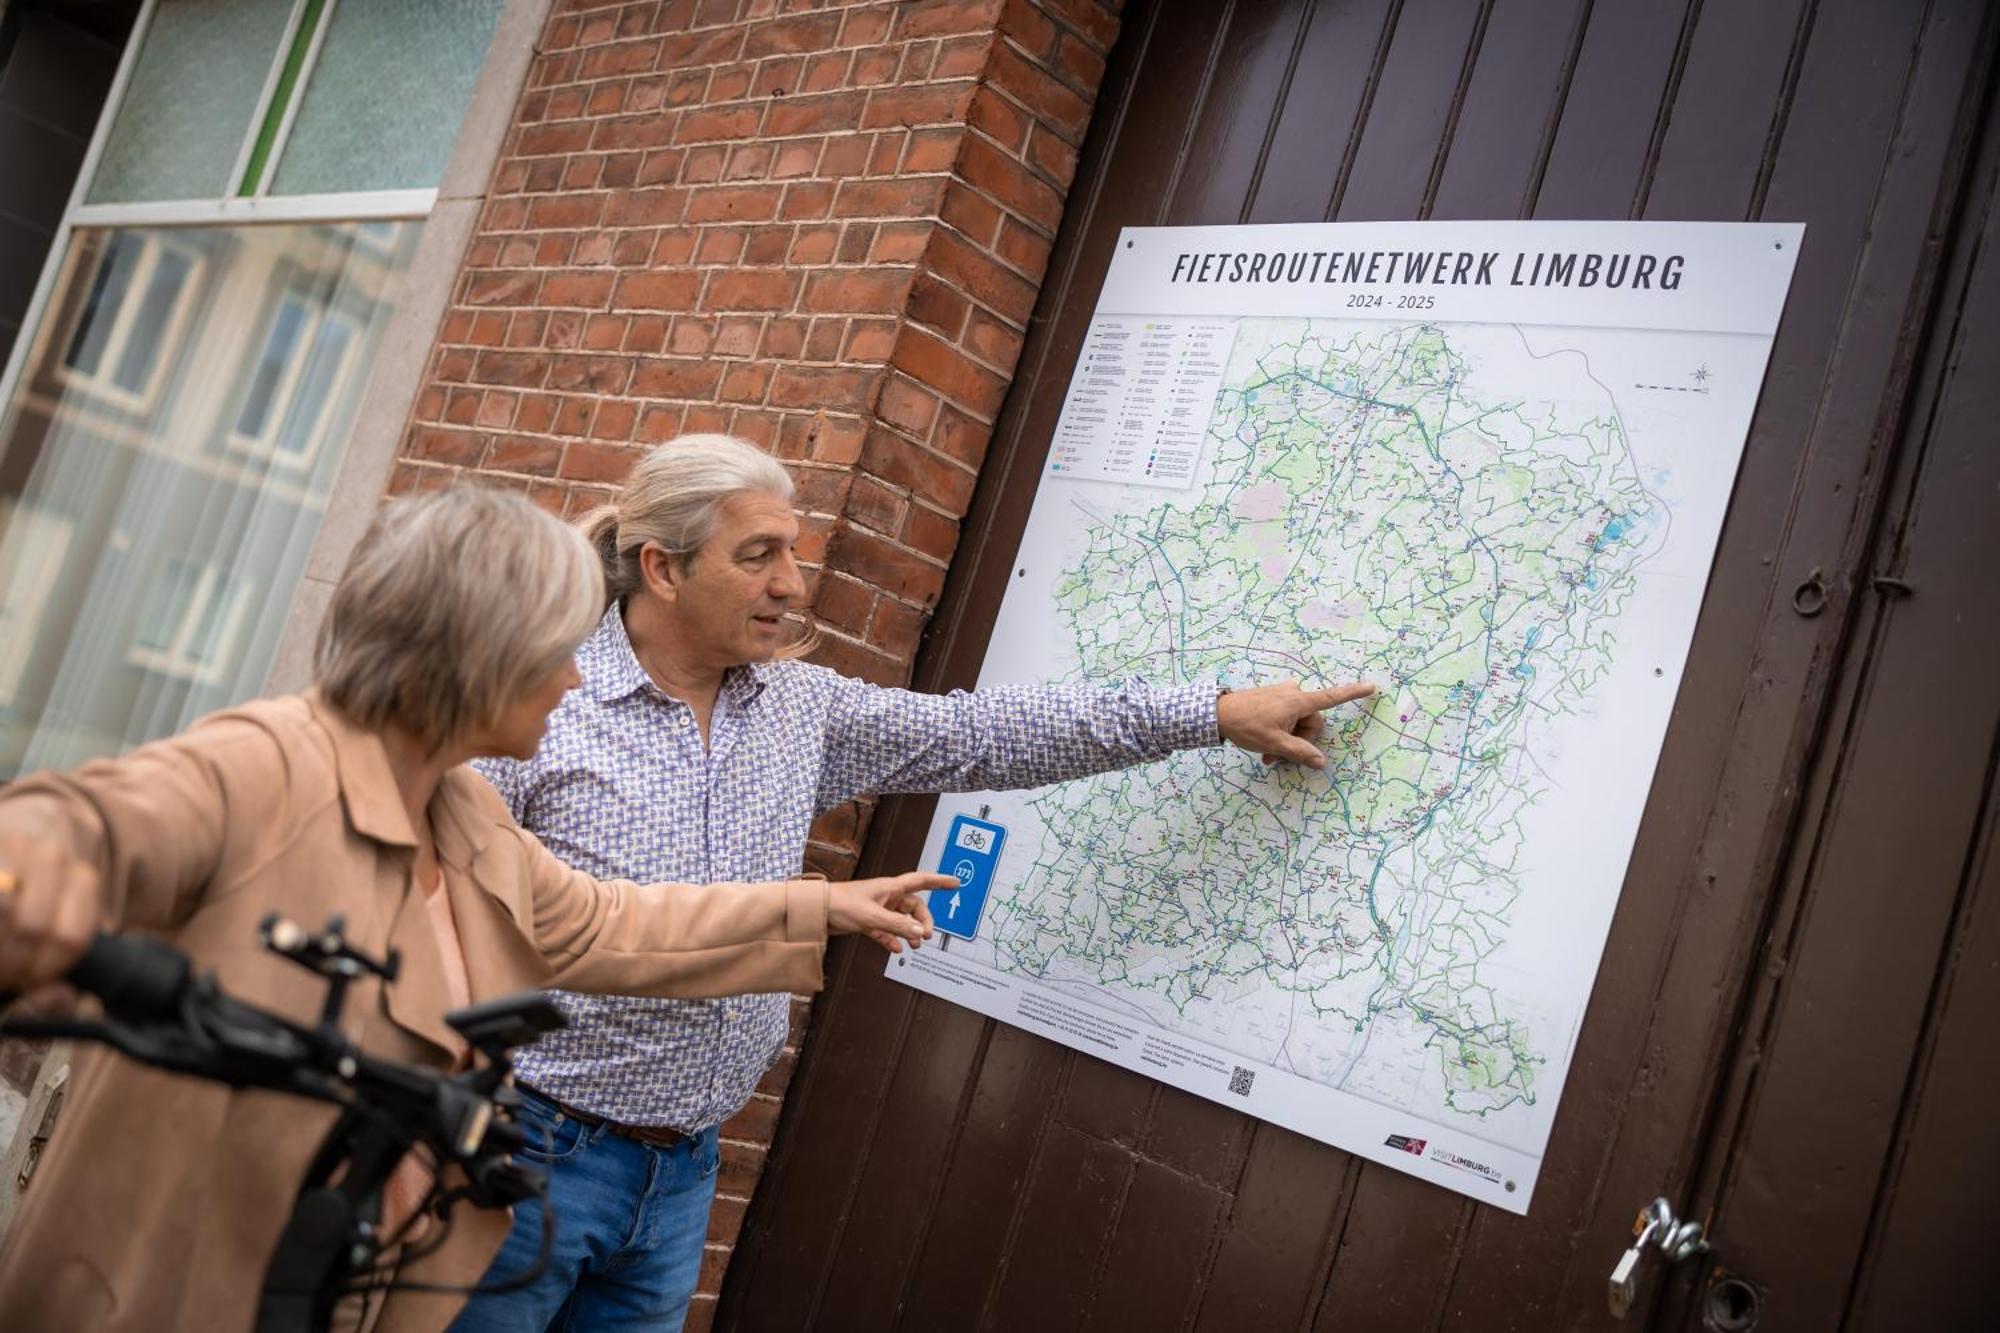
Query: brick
604, 333
1049, 98
824, 73
999, 119
935, 478
719, 245
863, 291
1094, 19
1052, 156
526, 454
737, 337
843, 602
869, 341
750, 161
877, 507
931, 532
877, 560
573, 416
669, 290
929, 360
897, 628
805, 200
547, 140
888, 198
673, 246
844, 155
657, 424
606, 99
932, 151
935, 18
1079, 66
603, 62
866, 27
645, 333
658, 207
673, 377
751, 289
500, 288
823, 338
489, 328
633, 249
960, 437
730, 84
652, 130
796, 159
615, 419
976, 274
918, 58
517, 370
745, 382
710, 124
662, 166
587, 460
875, 66
1024, 248
958, 57
860, 660
778, 75
926, 104
461, 407
977, 217
886, 156
814, 115
994, 343
899, 242
782, 338
907, 406
580, 290
939, 306
1028, 28
836, 389
536, 412
836, 440
767, 245
813, 245
737, 203
590, 374
1010, 183
792, 36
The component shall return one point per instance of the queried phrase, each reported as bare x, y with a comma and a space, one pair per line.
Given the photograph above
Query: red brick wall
819, 227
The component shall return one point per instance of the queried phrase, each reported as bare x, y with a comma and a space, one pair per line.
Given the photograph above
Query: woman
160, 1198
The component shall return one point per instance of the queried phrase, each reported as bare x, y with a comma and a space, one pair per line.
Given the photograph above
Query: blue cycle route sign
971, 850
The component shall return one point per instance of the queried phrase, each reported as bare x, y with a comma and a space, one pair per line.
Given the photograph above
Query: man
695, 751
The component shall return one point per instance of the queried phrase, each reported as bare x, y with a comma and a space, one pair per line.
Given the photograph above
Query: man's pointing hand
1281, 722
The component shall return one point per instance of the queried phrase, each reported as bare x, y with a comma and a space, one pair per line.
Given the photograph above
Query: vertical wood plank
1157, 1253
949, 1275
1252, 68
1065, 1220
1320, 119
1512, 104
1414, 100
1599, 158
1271, 1258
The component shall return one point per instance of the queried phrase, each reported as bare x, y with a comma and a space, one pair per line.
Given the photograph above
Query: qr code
1240, 1081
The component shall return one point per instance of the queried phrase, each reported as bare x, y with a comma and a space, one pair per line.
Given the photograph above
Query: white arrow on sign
952, 911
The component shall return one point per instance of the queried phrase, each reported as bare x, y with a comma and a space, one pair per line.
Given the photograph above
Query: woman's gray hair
671, 499
454, 605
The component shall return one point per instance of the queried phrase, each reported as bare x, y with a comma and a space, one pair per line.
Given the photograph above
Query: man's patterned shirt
623, 788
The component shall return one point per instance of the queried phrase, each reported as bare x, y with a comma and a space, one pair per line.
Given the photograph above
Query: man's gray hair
454, 605
672, 499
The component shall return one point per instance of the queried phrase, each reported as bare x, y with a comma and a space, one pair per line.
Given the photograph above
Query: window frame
101, 384
174, 660
265, 445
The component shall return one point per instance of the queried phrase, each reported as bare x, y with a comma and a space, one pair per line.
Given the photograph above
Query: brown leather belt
656, 1136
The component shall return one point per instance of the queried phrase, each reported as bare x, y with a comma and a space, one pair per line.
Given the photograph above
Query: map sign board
1482, 465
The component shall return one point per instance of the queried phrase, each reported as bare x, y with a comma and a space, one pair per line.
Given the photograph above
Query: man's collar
610, 668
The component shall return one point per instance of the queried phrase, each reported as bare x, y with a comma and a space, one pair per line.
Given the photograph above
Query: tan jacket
159, 1198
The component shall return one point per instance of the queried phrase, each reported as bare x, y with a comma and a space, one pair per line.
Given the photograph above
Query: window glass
193, 93
386, 95
181, 513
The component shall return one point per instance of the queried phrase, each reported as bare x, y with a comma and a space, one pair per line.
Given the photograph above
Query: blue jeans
630, 1222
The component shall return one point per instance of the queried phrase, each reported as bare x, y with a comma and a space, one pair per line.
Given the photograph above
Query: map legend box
1141, 399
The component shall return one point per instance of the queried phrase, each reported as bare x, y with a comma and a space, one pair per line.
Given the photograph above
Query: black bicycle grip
137, 978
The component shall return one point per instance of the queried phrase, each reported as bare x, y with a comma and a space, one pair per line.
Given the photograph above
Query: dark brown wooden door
1790, 1032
